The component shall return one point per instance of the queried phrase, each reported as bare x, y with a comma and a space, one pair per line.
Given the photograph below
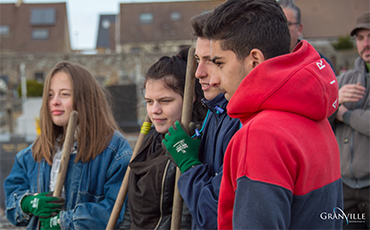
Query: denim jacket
90, 188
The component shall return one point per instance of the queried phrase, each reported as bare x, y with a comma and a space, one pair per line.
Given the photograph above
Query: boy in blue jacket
199, 185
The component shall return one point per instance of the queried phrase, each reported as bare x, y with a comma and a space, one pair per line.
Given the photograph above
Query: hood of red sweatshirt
300, 82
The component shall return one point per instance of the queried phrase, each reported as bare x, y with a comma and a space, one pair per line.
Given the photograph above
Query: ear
256, 57
300, 28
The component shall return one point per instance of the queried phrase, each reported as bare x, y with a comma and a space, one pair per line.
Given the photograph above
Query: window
146, 18
42, 17
40, 34
156, 49
39, 77
4, 78
135, 50
4, 81
105, 24
175, 16
4, 30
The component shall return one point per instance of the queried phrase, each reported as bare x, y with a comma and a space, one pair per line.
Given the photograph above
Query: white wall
26, 123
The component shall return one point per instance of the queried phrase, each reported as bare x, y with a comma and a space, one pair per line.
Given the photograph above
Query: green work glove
50, 223
183, 149
42, 204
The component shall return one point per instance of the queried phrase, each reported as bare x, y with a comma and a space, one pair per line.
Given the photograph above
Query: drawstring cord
199, 132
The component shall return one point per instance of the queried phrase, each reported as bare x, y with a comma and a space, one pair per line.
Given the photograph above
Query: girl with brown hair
97, 164
152, 177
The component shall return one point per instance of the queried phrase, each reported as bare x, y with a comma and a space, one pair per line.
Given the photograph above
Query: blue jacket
90, 191
199, 186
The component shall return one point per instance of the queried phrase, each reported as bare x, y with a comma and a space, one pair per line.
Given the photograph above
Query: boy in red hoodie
281, 169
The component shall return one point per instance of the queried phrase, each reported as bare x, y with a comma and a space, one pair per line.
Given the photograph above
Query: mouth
366, 49
205, 86
159, 120
57, 112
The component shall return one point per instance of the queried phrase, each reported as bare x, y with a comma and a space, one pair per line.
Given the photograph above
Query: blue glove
183, 149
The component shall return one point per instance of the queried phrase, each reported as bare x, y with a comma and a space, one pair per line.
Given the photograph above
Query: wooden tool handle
68, 143
124, 186
187, 110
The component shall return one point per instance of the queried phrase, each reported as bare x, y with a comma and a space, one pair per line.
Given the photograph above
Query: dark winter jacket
151, 188
199, 186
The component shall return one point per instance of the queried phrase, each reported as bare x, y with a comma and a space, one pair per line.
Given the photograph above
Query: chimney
18, 3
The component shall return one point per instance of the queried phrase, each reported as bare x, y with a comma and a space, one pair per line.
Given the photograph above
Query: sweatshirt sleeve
359, 120
17, 185
200, 185
200, 192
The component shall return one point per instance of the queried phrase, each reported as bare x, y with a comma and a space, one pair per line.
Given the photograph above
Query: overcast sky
83, 17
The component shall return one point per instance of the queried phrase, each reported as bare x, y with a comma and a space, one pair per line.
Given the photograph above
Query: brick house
34, 28
158, 26
329, 19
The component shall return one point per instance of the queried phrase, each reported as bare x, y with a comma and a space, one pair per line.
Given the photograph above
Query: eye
217, 63
209, 61
167, 100
149, 101
196, 58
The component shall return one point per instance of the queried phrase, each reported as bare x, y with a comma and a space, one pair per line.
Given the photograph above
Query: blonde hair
96, 123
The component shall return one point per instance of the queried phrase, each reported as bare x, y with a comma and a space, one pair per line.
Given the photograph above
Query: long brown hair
95, 126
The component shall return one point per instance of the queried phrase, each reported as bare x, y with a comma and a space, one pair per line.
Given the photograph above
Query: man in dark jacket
199, 185
293, 15
351, 124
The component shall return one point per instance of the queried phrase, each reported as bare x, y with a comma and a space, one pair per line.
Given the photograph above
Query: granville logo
338, 214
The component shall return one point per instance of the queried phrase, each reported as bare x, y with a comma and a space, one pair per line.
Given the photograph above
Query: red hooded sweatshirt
282, 169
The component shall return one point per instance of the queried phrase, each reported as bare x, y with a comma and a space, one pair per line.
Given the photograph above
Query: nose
367, 41
55, 100
156, 108
201, 71
214, 80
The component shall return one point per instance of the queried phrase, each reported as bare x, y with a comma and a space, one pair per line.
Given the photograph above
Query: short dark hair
289, 4
242, 25
198, 22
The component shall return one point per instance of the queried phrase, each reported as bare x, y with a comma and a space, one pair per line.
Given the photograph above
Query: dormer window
146, 18
4, 30
43, 17
175, 16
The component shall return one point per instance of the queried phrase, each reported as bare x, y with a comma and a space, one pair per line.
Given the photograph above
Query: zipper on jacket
161, 202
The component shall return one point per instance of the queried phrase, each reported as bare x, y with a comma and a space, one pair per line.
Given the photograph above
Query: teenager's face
363, 44
205, 68
60, 98
163, 105
228, 72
